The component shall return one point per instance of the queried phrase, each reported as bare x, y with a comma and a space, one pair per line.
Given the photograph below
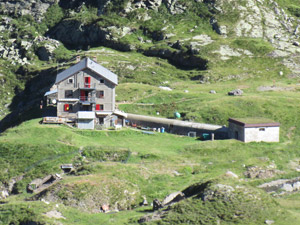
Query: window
87, 82
101, 81
99, 107
70, 81
68, 107
100, 94
262, 129
68, 94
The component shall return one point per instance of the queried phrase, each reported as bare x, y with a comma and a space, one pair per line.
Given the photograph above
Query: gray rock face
283, 185
175, 7
174, 197
144, 4
20, 8
258, 172
74, 33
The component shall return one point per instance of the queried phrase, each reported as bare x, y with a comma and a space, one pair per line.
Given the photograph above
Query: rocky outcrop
77, 35
46, 47
144, 4
178, 58
261, 173
20, 8
241, 199
264, 19
237, 92
282, 186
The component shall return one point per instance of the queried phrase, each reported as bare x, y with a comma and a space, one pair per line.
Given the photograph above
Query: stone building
85, 95
254, 130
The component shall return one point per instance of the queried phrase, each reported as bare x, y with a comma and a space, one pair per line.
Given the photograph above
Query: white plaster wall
271, 134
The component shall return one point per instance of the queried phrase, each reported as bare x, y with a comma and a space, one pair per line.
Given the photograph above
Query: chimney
95, 59
78, 58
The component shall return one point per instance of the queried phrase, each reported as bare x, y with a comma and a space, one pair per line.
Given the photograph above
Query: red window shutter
87, 81
67, 107
82, 95
97, 107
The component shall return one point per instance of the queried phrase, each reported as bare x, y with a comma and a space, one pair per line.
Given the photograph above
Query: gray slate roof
87, 63
50, 92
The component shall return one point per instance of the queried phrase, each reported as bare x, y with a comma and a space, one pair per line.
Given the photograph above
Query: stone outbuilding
254, 129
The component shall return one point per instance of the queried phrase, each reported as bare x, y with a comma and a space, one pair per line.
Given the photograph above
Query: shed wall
85, 124
257, 134
236, 132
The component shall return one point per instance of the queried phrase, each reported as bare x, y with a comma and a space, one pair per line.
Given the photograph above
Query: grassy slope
154, 158
36, 150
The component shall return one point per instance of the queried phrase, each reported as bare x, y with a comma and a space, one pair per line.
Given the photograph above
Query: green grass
254, 120
156, 165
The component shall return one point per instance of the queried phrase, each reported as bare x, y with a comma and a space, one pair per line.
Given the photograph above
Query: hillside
190, 46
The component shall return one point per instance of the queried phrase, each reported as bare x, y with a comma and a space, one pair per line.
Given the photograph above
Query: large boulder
237, 92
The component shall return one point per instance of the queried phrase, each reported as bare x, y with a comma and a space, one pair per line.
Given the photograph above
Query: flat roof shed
254, 129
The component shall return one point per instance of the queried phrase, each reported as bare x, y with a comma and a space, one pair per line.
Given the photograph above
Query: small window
68, 94
70, 81
67, 107
101, 81
262, 129
100, 94
99, 107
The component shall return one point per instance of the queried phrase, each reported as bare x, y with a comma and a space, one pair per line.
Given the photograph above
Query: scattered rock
231, 174
287, 188
260, 173
296, 43
4, 194
226, 52
269, 222
171, 198
156, 204
212, 92
104, 208
202, 40
34, 8
54, 214
176, 173
274, 88
165, 88
283, 185
175, 7
237, 92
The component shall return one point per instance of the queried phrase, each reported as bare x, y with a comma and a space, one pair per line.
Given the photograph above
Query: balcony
86, 115
87, 99
87, 86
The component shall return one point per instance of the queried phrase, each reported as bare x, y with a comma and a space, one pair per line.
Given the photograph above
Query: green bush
53, 15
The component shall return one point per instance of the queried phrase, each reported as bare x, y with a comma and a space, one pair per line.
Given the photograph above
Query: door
236, 135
